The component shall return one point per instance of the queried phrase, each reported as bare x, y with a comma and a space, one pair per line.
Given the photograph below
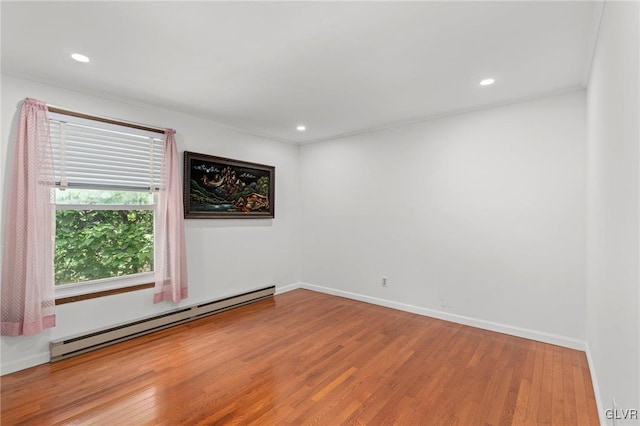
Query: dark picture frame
222, 188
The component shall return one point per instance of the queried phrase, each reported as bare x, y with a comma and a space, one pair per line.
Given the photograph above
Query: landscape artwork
218, 188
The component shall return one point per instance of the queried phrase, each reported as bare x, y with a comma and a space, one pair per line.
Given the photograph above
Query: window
106, 181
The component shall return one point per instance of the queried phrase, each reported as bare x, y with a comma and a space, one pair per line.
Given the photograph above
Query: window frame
71, 292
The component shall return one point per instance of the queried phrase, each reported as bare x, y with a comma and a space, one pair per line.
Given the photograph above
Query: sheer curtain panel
28, 300
170, 256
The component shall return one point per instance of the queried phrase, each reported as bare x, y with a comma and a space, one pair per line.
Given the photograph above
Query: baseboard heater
76, 345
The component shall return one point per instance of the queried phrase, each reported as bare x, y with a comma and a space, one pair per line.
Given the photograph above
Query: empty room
370, 212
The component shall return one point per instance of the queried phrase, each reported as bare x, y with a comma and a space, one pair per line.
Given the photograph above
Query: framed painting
221, 188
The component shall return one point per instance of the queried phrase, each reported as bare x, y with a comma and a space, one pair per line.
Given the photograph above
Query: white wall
478, 218
613, 224
224, 256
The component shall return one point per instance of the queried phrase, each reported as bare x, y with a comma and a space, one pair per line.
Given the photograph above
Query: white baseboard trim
288, 287
43, 358
24, 363
567, 342
596, 389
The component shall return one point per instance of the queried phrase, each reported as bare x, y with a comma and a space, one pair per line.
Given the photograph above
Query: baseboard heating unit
76, 345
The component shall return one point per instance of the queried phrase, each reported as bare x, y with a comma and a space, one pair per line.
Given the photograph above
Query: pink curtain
170, 263
28, 300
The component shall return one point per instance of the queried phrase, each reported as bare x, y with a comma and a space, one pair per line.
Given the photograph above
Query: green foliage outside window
94, 244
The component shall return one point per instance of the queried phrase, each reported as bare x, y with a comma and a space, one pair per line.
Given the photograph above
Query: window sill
101, 288
78, 298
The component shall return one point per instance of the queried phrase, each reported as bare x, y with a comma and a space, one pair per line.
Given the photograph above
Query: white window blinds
94, 155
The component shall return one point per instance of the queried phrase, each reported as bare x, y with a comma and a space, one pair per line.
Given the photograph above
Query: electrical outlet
384, 281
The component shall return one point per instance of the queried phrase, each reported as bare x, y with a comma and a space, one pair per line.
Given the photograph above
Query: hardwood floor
309, 358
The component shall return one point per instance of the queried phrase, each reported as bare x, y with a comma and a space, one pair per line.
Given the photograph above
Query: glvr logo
621, 414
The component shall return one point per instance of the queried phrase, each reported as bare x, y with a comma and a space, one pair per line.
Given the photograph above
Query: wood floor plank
557, 412
335, 383
309, 358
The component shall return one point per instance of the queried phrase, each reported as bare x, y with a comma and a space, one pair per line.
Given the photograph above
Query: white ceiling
338, 67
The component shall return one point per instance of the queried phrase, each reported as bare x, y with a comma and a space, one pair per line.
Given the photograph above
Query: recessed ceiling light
80, 58
301, 128
487, 82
